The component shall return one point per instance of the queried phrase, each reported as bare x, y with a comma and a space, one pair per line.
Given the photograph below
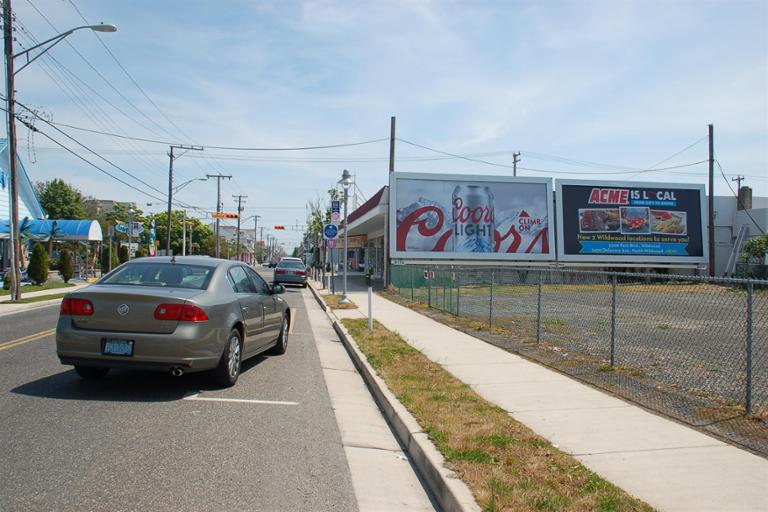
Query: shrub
38, 265
66, 269
123, 254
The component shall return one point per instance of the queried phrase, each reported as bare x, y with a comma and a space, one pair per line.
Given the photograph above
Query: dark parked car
182, 314
290, 271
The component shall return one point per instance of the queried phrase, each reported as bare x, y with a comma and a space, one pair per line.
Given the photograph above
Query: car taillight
300, 273
279, 272
78, 307
180, 312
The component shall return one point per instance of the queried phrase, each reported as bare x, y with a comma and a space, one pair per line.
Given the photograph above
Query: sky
587, 89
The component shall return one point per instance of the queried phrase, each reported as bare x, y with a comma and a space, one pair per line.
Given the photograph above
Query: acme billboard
468, 217
625, 222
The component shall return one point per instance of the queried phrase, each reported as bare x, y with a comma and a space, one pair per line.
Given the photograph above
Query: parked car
290, 271
181, 314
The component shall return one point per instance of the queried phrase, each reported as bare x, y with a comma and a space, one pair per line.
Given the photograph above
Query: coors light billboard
466, 217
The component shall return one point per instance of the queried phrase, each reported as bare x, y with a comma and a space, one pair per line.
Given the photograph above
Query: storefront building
366, 241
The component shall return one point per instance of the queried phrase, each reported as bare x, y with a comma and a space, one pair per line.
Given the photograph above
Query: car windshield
175, 275
290, 264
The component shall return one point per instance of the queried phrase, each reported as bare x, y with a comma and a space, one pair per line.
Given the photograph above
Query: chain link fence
693, 348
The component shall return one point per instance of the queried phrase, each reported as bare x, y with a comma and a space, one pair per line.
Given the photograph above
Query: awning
42, 230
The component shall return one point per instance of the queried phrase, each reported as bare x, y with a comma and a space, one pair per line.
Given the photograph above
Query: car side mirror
278, 289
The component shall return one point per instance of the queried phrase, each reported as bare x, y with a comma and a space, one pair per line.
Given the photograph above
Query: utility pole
239, 211
711, 231
184, 232
738, 180
170, 188
515, 159
392, 139
10, 94
218, 177
255, 237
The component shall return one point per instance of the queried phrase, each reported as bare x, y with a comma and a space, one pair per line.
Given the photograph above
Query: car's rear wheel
282, 339
228, 371
90, 372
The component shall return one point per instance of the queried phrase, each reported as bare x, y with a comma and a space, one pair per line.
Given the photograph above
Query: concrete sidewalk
9, 309
668, 465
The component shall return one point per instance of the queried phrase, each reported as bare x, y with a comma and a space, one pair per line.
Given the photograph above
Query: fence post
538, 310
490, 305
429, 288
613, 320
458, 294
748, 403
412, 281
445, 291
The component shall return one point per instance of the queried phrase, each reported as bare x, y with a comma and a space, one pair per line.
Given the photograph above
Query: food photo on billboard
630, 222
470, 217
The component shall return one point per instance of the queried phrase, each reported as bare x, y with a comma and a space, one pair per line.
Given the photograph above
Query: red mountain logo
524, 213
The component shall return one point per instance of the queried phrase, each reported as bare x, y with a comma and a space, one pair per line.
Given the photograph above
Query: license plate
118, 347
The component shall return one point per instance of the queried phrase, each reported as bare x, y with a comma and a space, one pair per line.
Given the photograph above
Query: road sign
122, 227
222, 215
331, 244
330, 231
335, 211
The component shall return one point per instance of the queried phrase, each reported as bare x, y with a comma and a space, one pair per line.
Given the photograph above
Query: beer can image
474, 219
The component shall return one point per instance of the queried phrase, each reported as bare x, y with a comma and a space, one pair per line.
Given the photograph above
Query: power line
651, 168
548, 171
67, 77
225, 148
738, 199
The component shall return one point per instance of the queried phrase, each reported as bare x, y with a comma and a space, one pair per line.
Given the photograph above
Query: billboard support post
711, 204
748, 401
538, 310
490, 305
613, 320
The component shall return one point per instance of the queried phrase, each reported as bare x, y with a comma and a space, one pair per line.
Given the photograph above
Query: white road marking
197, 397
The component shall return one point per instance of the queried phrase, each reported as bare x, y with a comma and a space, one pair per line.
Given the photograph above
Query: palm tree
55, 231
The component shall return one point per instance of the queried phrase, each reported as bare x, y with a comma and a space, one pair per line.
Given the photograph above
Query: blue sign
335, 211
330, 231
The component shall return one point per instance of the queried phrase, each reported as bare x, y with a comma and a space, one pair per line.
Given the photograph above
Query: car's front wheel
282, 339
228, 371
90, 372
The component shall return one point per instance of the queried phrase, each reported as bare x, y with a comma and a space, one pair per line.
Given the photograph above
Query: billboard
468, 217
625, 222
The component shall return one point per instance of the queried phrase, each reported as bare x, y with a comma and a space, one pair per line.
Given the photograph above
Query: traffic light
221, 215
279, 227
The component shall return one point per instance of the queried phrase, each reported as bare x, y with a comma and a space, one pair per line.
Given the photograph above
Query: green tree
201, 235
66, 269
60, 200
755, 249
105, 258
123, 253
38, 265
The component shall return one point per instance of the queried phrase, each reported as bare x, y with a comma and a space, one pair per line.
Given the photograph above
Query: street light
10, 94
179, 187
345, 181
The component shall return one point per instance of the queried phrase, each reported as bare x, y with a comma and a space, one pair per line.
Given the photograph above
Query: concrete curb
27, 307
449, 491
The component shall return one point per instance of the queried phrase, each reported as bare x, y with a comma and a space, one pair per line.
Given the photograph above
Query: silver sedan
180, 314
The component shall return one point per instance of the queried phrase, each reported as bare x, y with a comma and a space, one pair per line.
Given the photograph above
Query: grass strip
505, 464
333, 302
34, 299
37, 288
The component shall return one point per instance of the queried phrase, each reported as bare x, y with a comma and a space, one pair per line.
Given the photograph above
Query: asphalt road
133, 442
